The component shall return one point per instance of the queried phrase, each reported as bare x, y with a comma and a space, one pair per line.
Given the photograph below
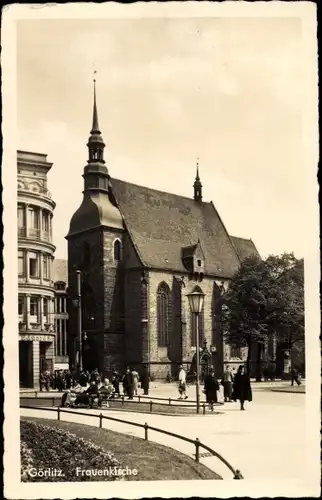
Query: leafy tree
289, 325
265, 297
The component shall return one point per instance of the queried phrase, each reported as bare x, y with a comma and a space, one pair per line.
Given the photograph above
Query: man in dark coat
68, 378
93, 392
211, 387
241, 388
116, 384
83, 379
128, 383
60, 381
295, 377
145, 380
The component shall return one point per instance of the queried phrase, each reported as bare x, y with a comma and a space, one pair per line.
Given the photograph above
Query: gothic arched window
117, 250
163, 314
201, 324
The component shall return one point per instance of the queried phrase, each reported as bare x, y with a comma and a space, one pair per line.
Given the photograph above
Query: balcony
34, 234
35, 326
46, 236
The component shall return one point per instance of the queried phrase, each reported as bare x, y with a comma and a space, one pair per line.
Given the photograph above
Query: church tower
95, 241
197, 186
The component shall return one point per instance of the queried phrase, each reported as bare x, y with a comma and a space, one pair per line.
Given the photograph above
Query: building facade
35, 268
61, 315
140, 252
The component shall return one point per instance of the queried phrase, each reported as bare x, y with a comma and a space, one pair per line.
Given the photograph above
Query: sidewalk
170, 390
266, 442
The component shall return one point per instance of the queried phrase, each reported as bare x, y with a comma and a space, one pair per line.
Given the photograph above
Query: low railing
116, 402
198, 444
169, 400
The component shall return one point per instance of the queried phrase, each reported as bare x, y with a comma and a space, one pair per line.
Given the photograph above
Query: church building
140, 252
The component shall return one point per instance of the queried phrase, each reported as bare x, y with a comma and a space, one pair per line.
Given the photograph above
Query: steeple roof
95, 132
197, 180
197, 186
95, 125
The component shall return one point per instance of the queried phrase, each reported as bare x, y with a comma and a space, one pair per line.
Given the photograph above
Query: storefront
36, 354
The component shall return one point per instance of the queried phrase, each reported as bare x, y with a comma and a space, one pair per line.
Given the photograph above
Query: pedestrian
128, 383
295, 377
52, 380
182, 388
227, 382
135, 379
83, 379
242, 390
60, 381
145, 380
211, 387
47, 380
116, 384
42, 381
97, 376
68, 379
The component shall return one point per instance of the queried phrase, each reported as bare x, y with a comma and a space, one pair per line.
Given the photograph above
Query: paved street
267, 441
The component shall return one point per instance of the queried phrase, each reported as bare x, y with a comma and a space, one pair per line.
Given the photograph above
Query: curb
287, 391
123, 410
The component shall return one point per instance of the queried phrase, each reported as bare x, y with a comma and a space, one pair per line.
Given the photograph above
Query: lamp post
196, 300
79, 323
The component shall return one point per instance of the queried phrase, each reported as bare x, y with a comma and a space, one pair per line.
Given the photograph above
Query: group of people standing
56, 380
131, 381
236, 387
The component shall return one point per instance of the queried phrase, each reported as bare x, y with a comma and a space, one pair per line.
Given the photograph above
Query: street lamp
79, 323
196, 300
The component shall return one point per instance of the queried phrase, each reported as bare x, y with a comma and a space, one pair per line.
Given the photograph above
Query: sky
229, 91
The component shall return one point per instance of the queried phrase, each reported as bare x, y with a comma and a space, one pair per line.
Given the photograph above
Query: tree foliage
265, 297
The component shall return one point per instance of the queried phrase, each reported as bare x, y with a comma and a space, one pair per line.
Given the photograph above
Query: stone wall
102, 293
165, 360
133, 319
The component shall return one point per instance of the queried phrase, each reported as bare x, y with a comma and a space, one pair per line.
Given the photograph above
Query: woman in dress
135, 378
242, 390
211, 387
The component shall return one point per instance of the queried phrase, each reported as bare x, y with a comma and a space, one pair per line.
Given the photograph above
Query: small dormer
193, 260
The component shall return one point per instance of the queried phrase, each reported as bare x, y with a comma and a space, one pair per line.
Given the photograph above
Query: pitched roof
161, 224
60, 270
244, 248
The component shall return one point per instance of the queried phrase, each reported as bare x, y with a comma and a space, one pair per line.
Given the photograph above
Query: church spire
197, 186
96, 176
95, 126
95, 142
